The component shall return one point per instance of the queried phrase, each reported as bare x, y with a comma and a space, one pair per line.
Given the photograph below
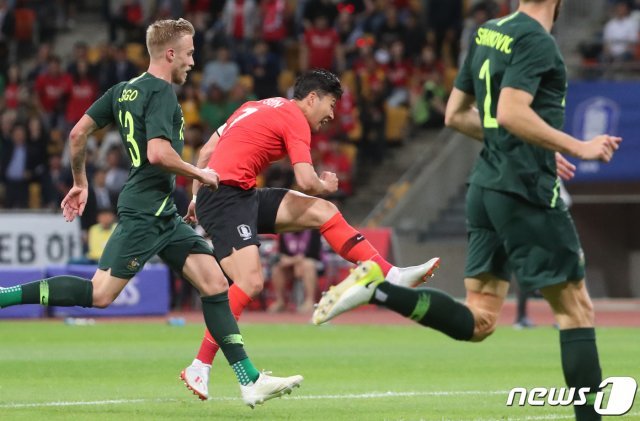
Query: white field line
371, 395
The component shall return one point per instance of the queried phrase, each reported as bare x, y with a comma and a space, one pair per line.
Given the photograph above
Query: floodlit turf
129, 371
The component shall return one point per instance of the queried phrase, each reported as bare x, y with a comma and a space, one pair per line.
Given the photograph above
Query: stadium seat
348, 79
93, 53
137, 54
286, 79
247, 82
397, 119
35, 196
350, 151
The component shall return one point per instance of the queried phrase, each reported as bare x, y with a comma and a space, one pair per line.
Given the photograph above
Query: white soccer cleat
268, 387
413, 276
356, 290
196, 378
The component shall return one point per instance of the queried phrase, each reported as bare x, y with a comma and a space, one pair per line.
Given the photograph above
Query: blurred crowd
397, 60
614, 49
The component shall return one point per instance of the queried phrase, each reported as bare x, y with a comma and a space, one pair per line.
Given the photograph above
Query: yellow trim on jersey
135, 79
508, 18
164, 203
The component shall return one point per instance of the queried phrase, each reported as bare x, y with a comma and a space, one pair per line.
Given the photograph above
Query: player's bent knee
252, 285
324, 210
102, 299
480, 334
485, 324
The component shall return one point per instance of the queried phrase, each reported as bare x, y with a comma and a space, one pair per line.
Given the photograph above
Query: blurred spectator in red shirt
346, 110
84, 91
274, 23
14, 91
53, 88
320, 48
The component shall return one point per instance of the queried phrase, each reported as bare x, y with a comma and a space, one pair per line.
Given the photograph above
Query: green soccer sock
429, 307
61, 290
581, 367
224, 329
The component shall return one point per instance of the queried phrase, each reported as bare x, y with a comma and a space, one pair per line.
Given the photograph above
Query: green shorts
507, 234
137, 238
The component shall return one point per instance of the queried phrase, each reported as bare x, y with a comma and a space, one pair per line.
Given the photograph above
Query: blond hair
162, 32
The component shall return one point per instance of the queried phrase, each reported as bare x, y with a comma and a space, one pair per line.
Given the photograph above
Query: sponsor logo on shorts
621, 396
244, 231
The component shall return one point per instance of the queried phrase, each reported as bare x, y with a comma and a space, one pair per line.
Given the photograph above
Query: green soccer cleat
356, 290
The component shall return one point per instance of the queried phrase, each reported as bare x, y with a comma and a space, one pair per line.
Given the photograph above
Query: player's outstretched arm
462, 115
516, 115
309, 182
74, 202
160, 153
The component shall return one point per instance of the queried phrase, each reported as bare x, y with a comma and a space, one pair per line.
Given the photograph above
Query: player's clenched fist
600, 147
209, 178
330, 181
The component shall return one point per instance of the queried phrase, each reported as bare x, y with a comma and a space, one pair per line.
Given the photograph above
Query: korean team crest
244, 231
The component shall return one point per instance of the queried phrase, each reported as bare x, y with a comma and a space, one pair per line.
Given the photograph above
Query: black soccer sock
429, 307
581, 366
64, 290
224, 329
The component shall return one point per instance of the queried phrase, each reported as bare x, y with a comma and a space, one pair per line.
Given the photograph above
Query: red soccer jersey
258, 133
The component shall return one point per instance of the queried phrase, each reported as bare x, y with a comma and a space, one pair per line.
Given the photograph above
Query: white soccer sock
393, 275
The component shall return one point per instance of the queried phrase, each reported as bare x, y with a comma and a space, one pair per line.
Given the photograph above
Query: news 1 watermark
621, 395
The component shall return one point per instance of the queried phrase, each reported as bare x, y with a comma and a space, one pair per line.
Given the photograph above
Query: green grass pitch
129, 371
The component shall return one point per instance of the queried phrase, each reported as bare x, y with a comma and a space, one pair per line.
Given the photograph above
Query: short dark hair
319, 80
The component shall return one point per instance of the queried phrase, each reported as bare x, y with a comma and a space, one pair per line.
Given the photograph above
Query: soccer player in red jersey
258, 133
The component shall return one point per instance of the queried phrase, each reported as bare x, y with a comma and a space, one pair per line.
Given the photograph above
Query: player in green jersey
509, 94
149, 119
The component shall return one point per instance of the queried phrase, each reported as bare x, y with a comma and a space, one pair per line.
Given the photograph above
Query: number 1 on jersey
485, 74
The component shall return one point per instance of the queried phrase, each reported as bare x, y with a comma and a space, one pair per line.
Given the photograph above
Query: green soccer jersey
143, 108
516, 52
